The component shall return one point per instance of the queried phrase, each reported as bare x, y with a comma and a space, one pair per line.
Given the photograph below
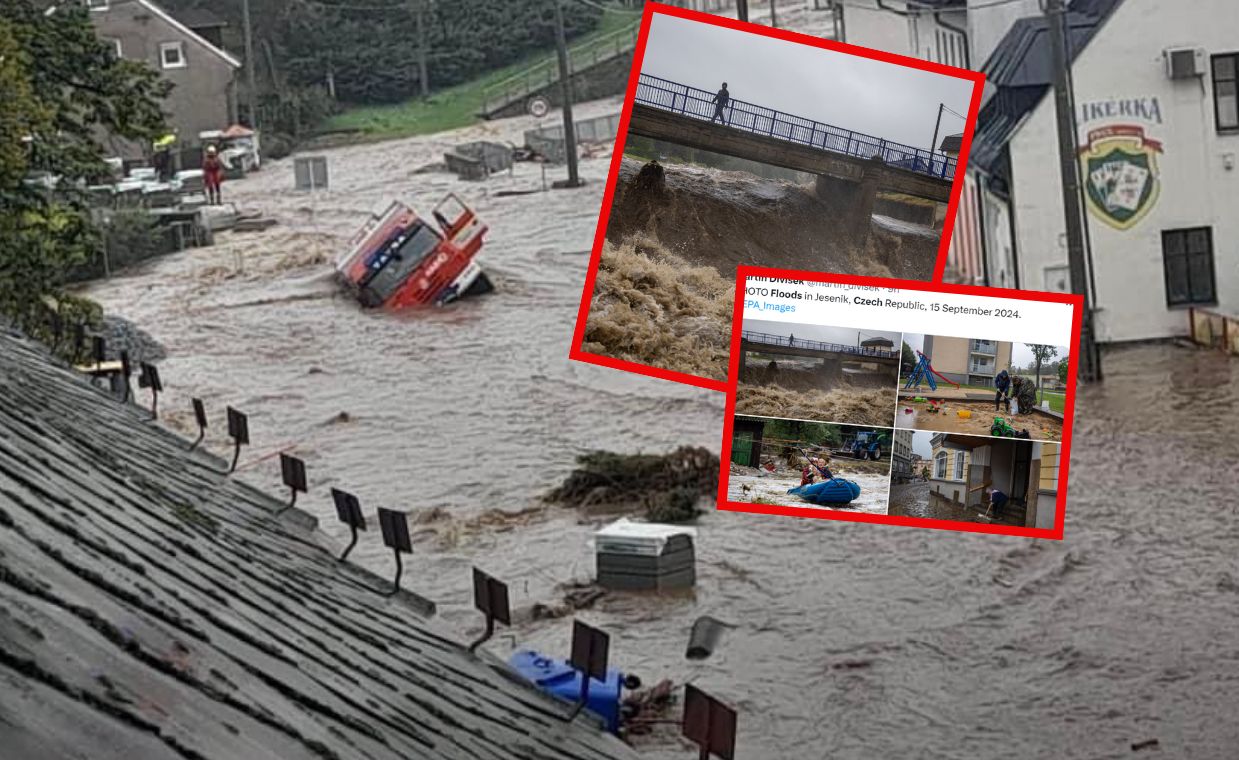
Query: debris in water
577, 597
645, 708
665, 485
844, 403
1146, 744
652, 307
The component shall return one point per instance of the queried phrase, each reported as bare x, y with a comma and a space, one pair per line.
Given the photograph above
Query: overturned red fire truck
399, 258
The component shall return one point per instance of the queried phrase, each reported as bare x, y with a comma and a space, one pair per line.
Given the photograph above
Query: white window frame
959, 465
97, 5
179, 47
116, 46
940, 465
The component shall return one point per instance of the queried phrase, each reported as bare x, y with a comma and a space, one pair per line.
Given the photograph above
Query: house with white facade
965, 468
1157, 120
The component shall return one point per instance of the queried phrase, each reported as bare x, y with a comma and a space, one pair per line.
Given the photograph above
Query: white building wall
999, 250
934, 42
868, 25
1124, 61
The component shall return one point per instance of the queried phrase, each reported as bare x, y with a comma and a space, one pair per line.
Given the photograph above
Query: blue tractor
864, 445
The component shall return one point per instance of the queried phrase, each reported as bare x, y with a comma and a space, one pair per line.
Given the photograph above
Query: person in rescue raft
1003, 384
720, 102
1024, 391
816, 466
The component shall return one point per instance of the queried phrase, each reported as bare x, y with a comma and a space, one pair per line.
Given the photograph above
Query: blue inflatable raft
833, 491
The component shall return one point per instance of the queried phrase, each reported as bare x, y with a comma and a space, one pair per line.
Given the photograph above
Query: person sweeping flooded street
721, 99
1024, 391
1003, 383
212, 175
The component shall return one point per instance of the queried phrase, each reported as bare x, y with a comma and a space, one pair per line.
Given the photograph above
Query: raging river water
851, 640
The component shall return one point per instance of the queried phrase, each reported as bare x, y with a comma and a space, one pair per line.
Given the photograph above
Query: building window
97, 5
115, 45
172, 55
940, 465
1225, 95
959, 465
1188, 261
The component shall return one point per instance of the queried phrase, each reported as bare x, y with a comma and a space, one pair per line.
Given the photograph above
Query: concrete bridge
850, 166
812, 349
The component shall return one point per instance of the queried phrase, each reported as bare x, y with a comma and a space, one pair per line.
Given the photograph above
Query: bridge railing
792, 341
546, 72
698, 103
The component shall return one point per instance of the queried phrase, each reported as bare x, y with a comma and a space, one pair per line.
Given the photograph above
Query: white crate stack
638, 556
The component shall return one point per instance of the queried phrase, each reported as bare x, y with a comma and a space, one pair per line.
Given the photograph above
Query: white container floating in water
635, 556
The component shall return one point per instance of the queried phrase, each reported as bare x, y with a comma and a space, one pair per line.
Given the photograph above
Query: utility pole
1064, 106
933, 147
565, 89
422, 75
249, 63
774, 18
742, 10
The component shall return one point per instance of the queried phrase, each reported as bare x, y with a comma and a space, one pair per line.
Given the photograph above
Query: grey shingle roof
151, 607
951, 143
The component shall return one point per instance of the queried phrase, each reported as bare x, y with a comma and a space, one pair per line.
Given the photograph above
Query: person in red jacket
212, 175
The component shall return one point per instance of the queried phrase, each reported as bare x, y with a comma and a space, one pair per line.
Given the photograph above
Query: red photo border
1064, 458
578, 336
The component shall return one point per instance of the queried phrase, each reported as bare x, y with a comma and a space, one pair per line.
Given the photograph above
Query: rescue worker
161, 158
1024, 391
720, 102
212, 175
1003, 384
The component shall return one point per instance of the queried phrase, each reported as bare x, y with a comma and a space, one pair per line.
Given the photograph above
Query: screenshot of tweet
891, 401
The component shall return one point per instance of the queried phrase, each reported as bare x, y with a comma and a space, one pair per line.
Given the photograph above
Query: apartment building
967, 361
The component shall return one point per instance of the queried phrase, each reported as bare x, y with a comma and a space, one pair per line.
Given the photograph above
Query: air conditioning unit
1184, 63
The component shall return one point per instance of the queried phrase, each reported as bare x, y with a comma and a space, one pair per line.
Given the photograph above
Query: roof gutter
963, 32
889, 9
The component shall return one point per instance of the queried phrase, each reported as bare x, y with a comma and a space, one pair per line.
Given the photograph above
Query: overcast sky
885, 100
922, 444
846, 336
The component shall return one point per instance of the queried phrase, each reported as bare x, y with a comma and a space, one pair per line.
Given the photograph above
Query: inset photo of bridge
818, 373
764, 148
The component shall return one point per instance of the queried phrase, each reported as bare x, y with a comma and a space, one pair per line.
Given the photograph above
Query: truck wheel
877, 453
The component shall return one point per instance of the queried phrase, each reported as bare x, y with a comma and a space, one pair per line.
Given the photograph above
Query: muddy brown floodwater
852, 640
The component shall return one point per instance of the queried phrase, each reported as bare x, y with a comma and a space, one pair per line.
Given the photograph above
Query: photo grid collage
956, 428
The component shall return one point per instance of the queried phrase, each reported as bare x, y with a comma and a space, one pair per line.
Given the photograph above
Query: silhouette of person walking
720, 102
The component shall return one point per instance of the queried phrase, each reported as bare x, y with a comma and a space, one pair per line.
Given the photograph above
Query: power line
960, 115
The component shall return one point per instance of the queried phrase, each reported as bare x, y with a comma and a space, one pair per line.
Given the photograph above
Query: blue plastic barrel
557, 678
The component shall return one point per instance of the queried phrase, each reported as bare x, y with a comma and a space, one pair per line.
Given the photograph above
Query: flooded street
852, 640
910, 499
